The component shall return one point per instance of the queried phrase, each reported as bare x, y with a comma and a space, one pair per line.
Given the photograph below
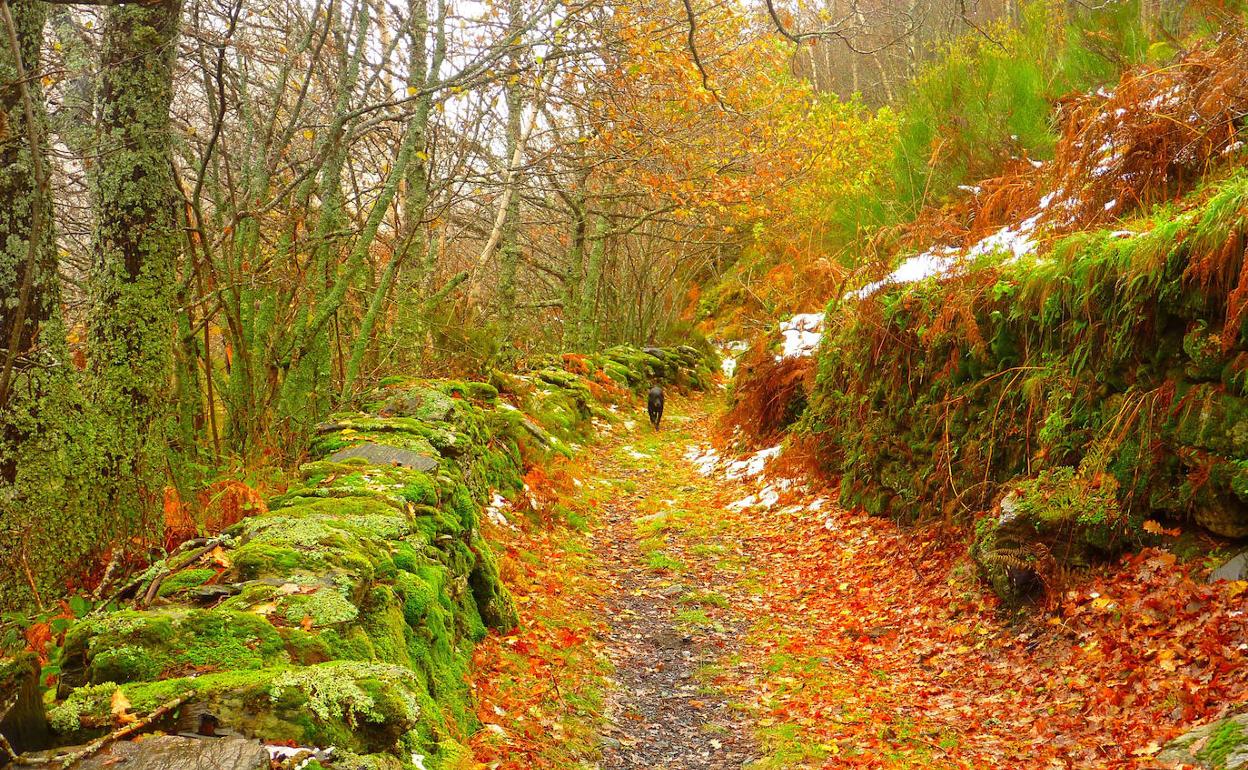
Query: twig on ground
94, 747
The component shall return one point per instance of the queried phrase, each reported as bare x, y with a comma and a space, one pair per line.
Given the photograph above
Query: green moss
323, 607
361, 591
1101, 354
1228, 737
185, 579
66, 717
139, 646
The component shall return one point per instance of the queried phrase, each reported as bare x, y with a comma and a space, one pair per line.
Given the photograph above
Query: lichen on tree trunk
136, 247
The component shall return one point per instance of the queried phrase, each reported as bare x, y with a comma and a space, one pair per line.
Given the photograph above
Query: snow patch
752, 465
494, 511
704, 459
940, 261
802, 334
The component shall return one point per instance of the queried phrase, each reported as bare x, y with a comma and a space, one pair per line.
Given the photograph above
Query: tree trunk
136, 247
586, 330
29, 289
573, 278
509, 250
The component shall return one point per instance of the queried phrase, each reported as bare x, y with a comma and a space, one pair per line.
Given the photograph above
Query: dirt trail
668, 626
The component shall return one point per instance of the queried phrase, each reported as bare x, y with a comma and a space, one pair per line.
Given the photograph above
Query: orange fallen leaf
120, 708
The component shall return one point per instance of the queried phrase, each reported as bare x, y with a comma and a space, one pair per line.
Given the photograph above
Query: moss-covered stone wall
346, 614
1056, 397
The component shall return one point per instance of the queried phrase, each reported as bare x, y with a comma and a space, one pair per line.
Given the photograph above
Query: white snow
939, 261
1110, 205
730, 353
1014, 241
752, 465
494, 511
802, 334
704, 459
745, 502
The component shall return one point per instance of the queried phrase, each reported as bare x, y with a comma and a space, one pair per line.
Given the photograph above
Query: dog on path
654, 406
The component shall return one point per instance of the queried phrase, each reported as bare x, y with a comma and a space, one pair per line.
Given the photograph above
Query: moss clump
1227, 738
323, 607
138, 646
92, 701
1060, 516
191, 578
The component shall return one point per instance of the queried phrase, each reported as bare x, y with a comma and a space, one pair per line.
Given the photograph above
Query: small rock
1234, 568
211, 593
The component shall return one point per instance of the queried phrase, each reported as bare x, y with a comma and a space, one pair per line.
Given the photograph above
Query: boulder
1060, 517
22, 719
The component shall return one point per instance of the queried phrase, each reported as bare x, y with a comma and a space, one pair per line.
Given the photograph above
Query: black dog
654, 406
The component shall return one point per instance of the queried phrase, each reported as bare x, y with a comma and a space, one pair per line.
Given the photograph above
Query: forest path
665, 562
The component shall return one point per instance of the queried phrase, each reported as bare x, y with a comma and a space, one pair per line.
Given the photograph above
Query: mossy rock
22, 717
134, 646
1059, 517
1206, 358
397, 486
475, 391
423, 402
1221, 745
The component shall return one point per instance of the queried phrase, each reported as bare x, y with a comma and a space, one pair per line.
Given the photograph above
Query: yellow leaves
309, 134
1155, 528
120, 709
1167, 660
1147, 751
220, 558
